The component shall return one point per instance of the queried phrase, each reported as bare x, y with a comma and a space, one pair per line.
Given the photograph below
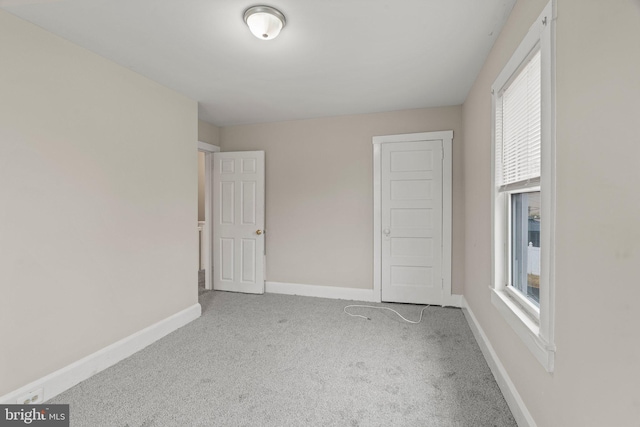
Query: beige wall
208, 133
319, 194
98, 199
598, 151
201, 175
211, 134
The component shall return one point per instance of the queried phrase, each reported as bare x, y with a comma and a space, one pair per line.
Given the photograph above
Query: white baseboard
454, 300
508, 389
333, 292
65, 378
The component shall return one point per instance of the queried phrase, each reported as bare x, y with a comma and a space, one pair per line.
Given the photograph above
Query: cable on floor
383, 308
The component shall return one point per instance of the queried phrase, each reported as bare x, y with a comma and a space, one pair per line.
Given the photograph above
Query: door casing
447, 141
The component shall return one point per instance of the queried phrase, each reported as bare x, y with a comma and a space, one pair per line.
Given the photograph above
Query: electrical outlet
32, 398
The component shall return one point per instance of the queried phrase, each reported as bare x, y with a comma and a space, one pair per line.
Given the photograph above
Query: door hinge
442, 283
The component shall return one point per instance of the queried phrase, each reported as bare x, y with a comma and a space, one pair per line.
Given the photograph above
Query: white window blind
518, 127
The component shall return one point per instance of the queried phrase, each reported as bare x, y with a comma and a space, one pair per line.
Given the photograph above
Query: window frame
535, 326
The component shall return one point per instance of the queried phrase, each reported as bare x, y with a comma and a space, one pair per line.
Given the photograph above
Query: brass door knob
258, 232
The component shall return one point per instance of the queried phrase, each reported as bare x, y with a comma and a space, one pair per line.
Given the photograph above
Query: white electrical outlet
32, 398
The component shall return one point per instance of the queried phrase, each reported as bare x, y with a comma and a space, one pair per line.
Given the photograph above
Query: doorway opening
205, 216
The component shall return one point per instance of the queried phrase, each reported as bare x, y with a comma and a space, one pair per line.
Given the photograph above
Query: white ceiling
334, 57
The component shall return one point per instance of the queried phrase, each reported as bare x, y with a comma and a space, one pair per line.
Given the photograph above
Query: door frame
447, 165
207, 232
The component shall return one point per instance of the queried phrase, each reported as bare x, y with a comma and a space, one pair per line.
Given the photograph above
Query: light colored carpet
276, 360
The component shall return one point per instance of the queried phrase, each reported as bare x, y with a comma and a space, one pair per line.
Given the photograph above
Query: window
524, 190
517, 141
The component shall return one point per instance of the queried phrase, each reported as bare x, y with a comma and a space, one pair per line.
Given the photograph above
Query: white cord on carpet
383, 308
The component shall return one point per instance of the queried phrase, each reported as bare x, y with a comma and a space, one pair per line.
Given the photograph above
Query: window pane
525, 244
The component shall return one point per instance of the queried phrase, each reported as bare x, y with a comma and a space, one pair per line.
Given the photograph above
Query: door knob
386, 231
258, 232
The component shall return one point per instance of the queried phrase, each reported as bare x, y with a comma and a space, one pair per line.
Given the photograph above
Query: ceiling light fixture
265, 22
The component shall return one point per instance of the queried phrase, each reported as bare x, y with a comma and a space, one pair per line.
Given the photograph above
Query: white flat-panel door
411, 222
238, 221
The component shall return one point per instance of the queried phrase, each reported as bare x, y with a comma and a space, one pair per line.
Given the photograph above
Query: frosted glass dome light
264, 22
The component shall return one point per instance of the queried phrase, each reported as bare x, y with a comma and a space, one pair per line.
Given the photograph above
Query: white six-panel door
412, 195
238, 218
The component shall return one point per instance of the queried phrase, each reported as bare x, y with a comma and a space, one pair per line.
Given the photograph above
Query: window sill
524, 304
525, 327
